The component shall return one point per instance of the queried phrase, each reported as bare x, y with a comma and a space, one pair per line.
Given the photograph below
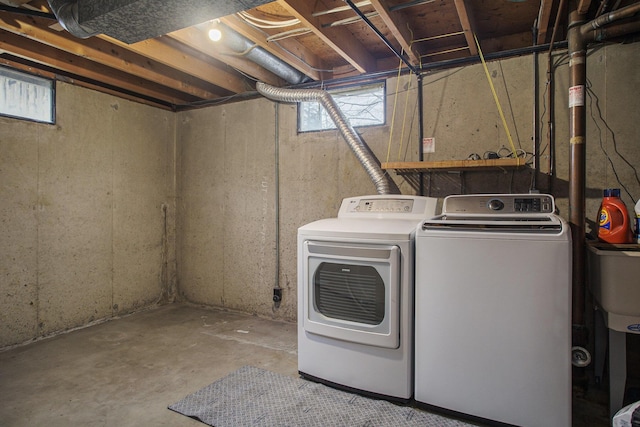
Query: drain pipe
577, 176
579, 35
66, 11
383, 183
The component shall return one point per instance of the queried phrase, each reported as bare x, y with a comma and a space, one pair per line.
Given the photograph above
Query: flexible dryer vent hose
383, 183
66, 11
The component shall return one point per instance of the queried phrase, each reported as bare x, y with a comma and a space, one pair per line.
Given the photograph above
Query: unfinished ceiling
160, 53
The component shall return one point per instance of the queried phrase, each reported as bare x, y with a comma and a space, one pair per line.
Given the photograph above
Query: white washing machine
355, 295
493, 324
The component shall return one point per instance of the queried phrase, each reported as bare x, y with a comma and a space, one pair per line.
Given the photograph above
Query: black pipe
27, 12
551, 98
536, 111
383, 38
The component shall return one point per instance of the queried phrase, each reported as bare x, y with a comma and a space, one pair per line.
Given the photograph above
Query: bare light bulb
215, 34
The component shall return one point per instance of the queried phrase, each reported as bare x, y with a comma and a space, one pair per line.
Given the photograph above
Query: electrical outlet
277, 295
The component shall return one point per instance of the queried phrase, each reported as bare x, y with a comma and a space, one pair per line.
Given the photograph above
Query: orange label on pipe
577, 140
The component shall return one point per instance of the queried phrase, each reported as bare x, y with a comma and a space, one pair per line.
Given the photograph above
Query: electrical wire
287, 34
544, 113
266, 23
592, 96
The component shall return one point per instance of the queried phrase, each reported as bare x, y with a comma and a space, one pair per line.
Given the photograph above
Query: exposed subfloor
127, 371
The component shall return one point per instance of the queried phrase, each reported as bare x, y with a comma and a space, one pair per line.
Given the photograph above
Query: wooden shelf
447, 165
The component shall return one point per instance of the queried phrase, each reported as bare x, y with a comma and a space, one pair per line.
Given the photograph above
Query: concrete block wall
82, 218
227, 167
97, 210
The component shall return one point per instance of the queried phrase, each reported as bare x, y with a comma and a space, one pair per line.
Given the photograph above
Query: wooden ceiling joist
338, 38
156, 50
23, 47
583, 6
399, 31
99, 51
544, 18
466, 21
185, 68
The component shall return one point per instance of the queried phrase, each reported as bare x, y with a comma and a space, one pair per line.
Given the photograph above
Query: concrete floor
126, 372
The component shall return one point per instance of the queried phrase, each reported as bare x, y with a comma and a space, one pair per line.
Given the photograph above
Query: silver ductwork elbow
383, 183
66, 12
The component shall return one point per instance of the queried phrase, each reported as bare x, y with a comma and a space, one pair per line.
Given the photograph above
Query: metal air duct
247, 49
383, 183
66, 13
131, 21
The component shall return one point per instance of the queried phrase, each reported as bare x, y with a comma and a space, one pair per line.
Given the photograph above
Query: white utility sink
614, 280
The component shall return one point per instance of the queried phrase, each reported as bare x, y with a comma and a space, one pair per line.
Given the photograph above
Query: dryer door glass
349, 292
352, 292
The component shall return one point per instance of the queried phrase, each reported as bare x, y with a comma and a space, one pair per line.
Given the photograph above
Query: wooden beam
31, 50
15, 3
100, 51
398, 29
583, 6
466, 20
339, 39
163, 53
544, 18
289, 50
198, 40
445, 165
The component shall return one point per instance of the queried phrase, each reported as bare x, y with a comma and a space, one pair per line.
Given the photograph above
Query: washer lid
540, 224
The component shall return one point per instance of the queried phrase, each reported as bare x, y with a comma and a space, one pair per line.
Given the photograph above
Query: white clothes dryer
493, 310
355, 295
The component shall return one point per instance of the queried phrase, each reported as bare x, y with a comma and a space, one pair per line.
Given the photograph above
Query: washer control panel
489, 204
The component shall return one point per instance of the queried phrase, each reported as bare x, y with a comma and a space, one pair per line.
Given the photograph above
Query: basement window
362, 106
25, 96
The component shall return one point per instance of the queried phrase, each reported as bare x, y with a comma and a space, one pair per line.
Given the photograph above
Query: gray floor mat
255, 397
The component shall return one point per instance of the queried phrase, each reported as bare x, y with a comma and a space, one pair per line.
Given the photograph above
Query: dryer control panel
388, 206
383, 205
490, 204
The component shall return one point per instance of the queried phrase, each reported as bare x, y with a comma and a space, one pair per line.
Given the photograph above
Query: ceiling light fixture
215, 34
